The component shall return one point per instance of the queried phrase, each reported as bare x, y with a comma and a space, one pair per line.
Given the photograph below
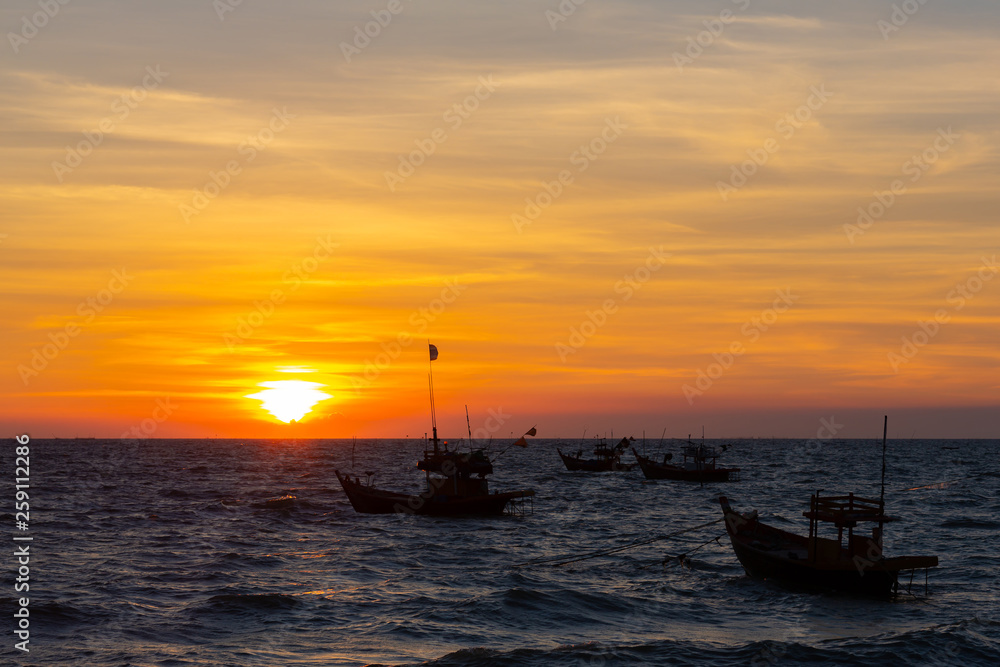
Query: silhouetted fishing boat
699, 465
849, 563
456, 483
605, 458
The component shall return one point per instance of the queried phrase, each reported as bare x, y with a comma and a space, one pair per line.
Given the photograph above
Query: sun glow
290, 400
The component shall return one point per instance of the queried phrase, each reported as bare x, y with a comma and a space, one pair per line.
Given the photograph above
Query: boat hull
799, 575
367, 500
574, 463
776, 555
653, 470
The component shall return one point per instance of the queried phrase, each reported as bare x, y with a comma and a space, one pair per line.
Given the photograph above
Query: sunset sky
585, 213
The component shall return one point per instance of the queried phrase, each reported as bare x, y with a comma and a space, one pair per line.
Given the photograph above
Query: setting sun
290, 400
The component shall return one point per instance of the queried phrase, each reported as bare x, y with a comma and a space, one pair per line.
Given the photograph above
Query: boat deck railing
844, 510
701, 452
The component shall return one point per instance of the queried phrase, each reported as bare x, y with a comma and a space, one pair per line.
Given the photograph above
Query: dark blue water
175, 553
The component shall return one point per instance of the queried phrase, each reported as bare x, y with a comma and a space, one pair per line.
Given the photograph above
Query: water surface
174, 552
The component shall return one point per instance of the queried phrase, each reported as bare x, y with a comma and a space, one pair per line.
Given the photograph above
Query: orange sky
318, 226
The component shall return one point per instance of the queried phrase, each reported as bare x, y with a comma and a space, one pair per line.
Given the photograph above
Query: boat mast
432, 353
881, 498
468, 425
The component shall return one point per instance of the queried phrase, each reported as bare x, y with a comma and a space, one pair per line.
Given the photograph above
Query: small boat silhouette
456, 483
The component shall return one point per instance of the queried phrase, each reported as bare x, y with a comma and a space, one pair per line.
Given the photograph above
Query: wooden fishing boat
456, 483
699, 465
856, 565
851, 563
605, 458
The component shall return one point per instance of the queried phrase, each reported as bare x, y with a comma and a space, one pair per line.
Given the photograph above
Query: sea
247, 552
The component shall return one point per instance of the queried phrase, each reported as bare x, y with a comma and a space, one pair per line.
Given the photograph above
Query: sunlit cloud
656, 185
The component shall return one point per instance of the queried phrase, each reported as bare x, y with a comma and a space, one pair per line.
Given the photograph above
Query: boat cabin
699, 457
456, 473
845, 513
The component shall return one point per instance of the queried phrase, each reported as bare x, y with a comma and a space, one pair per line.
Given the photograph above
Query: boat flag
521, 442
434, 351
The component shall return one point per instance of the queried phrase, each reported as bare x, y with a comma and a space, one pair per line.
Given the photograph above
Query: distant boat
456, 483
699, 465
605, 458
855, 565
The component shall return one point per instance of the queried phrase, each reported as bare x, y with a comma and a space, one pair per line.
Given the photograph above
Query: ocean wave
926, 647
286, 501
970, 523
223, 578
248, 602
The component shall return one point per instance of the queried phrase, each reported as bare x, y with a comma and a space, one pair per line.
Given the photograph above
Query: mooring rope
559, 561
947, 482
680, 558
